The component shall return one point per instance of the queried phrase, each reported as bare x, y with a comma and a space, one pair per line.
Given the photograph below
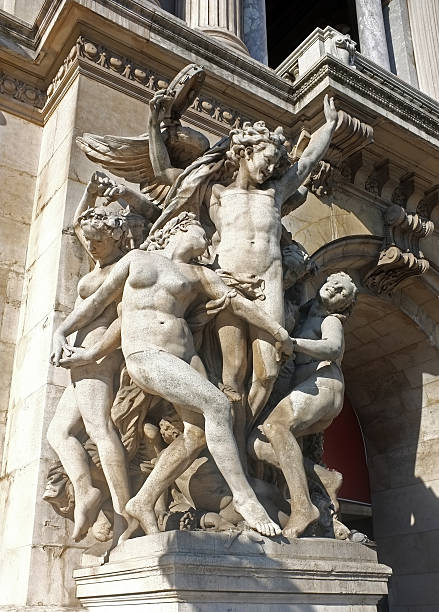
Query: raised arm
330, 347
314, 152
92, 191
158, 153
92, 307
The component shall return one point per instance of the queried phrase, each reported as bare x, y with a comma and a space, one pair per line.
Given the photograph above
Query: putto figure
314, 399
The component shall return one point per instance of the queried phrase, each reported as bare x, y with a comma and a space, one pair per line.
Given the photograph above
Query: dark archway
391, 369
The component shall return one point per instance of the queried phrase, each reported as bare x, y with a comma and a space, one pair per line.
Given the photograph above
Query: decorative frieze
21, 91
86, 50
400, 256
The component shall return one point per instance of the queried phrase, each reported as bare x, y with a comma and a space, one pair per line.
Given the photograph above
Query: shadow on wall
2, 119
392, 380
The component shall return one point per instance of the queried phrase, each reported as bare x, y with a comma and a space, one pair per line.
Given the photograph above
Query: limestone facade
91, 67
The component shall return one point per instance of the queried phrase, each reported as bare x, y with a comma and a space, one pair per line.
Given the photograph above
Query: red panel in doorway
344, 451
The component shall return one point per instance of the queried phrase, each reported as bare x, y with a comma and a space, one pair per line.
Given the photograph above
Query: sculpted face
100, 244
261, 162
337, 294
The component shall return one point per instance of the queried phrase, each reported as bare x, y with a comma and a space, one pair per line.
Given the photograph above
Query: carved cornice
378, 86
400, 256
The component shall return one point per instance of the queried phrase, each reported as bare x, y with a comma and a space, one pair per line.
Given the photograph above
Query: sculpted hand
284, 344
99, 183
75, 356
159, 105
331, 112
59, 342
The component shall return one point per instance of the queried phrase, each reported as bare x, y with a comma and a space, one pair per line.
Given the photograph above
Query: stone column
399, 37
255, 29
424, 21
220, 19
371, 31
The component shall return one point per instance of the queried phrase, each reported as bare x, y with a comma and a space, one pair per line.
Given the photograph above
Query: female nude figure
105, 235
158, 290
314, 402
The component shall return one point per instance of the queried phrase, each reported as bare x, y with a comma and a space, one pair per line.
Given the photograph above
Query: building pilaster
424, 21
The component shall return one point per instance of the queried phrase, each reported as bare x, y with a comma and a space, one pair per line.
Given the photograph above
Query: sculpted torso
88, 285
248, 224
155, 298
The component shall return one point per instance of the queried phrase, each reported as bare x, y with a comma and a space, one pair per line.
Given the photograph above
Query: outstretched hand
284, 346
102, 185
58, 344
160, 104
331, 112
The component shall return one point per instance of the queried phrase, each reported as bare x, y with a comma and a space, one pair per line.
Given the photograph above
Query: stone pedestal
206, 572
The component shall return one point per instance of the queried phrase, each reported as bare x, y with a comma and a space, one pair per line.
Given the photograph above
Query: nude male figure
158, 347
247, 216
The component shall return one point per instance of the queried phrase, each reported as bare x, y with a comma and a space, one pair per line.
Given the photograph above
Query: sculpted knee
195, 437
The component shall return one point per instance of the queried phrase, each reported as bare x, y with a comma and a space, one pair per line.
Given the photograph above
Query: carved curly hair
159, 239
348, 310
113, 224
255, 137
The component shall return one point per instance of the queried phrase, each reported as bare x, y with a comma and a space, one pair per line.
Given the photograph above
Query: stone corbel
351, 136
400, 256
428, 202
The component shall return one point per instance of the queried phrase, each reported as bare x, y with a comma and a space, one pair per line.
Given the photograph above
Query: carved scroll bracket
351, 135
400, 256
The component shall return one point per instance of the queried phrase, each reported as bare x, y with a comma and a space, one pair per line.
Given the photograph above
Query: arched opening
391, 370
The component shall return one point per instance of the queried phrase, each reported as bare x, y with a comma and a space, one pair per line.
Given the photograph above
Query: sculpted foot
86, 511
144, 514
256, 517
299, 521
124, 527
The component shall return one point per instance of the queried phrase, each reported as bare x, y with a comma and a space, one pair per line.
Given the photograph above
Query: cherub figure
315, 399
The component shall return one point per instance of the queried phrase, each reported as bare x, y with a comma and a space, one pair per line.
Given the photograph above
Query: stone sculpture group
190, 406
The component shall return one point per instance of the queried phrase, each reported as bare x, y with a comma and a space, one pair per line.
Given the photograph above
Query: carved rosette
400, 256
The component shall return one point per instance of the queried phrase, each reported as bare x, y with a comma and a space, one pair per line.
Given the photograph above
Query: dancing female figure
105, 234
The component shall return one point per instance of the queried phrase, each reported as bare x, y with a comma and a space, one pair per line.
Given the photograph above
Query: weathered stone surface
213, 571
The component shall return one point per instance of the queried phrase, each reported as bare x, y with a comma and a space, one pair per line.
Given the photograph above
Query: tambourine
184, 88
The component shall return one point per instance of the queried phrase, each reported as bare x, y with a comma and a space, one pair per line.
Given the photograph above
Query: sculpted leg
65, 424
232, 334
277, 428
265, 371
95, 408
172, 462
163, 374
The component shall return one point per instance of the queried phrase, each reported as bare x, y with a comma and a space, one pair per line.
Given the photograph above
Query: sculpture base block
187, 571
